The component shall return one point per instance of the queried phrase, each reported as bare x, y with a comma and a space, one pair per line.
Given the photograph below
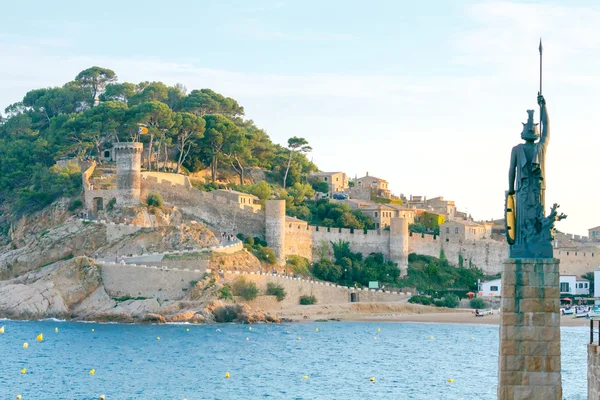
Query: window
585, 285
377, 225
337, 179
493, 288
579, 285
447, 230
325, 179
455, 230
375, 213
564, 287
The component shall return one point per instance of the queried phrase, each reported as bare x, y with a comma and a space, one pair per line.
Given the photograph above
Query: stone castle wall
223, 215
577, 262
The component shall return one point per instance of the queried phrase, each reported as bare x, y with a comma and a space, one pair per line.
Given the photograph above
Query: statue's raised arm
545, 136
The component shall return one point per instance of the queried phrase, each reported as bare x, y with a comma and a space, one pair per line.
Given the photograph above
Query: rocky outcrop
30, 252
162, 239
54, 291
73, 289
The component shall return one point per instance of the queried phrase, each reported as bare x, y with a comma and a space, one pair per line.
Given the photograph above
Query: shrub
154, 200
225, 293
258, 242
327, 271
299, 265
75, 204
276, 290
451, 300
266, 254
438, 303
111, 204
307, 300
478, 303
244, 289
418, 299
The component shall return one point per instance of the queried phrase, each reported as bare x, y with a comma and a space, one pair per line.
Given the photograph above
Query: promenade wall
160, 283
325, 292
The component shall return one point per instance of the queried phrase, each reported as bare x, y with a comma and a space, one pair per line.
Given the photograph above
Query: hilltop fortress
228, 211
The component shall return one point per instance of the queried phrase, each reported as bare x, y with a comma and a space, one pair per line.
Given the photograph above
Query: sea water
286, 361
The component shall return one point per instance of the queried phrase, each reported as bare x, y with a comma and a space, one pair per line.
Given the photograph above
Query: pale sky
429, 95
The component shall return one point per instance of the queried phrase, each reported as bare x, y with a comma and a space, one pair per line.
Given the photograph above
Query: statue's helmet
530, 130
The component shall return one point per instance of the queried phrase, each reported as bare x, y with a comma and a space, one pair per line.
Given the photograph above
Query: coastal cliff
73, 290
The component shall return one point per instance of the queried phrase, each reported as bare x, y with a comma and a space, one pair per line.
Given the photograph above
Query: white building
571, 284
491, 288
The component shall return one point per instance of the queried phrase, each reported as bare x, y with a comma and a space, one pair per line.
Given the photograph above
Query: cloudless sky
429, 95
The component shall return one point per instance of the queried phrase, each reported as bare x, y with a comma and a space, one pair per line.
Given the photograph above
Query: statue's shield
510, 218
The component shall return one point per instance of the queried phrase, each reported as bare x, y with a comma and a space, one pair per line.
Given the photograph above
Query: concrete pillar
593, 368
275, 228
399, 243
529, 353
129, 178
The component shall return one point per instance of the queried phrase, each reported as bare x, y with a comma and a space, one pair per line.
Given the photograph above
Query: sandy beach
400, 312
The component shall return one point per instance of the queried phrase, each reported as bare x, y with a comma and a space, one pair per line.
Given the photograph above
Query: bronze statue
529, 232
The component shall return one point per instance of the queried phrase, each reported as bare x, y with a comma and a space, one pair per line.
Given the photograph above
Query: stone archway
98, 204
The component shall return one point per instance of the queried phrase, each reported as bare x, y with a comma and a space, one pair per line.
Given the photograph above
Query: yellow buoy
23, 371
372, 379
18, 397
378, 329
92, 329
158, 338
25, 345
247, 339
450, 380
304, 376
430, 337
187, 329
39, 337
299, 338
250, 328
92, 371
1, 329
102, 397
56, 330
316, 329
227, 375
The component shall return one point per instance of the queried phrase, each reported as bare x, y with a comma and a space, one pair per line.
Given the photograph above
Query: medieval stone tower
129, 160
275, 228
399, 243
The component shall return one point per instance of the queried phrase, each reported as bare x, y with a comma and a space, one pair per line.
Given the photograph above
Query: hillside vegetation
186, 130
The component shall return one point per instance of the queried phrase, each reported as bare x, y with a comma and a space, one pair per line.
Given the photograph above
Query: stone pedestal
529, 359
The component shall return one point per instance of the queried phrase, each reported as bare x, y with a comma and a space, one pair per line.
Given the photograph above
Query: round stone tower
399, 243
129, 178
275, 228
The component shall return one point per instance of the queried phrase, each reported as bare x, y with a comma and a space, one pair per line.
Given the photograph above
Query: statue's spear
540, 49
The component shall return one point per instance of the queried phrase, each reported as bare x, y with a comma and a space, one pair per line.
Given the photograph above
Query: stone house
403, 212
381, 214
452, 231
441, 206
377, 185
594, 234
244, 199
337, 181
